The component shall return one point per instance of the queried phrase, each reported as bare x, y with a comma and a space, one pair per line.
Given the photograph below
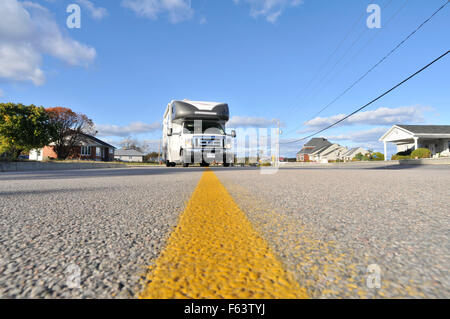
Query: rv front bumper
192, 156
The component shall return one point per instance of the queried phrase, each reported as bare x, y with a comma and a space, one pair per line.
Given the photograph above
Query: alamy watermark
374, 19
74, 19
373, 280
73, 276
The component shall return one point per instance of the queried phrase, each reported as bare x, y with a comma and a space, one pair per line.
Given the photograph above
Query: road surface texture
110, 223
226, 233
329, 225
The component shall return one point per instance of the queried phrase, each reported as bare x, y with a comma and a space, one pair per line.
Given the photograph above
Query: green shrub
377, 156
266, 164
421, 153
397, 157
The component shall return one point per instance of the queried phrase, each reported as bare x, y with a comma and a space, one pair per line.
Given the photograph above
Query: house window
85, 150
98, 152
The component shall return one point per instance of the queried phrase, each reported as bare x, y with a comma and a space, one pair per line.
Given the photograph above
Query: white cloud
270, 9
176, 10
96, 12
127, 130
371, 135
380, 116
27, 32
246, 121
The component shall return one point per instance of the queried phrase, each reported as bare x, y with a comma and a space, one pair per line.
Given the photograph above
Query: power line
379, 62
353, 58
318, 84
355, 24
377, 33
371, 102
382, 60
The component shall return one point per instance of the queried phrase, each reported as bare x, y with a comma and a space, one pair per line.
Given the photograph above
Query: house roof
354, 151
351, 151
124, 152
314, 144
426, 129
410, 131
319, 150
330, 150
97, 140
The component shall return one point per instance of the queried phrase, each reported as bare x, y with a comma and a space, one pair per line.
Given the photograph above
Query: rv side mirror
169, 133
233, 133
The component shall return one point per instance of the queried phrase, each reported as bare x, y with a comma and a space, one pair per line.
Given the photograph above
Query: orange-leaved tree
70, 127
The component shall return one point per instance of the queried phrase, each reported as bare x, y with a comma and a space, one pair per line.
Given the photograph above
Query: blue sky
265, 58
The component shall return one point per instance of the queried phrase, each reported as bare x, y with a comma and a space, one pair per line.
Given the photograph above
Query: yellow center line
214, 252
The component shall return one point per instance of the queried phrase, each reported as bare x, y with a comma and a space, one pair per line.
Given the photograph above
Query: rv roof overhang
190, 110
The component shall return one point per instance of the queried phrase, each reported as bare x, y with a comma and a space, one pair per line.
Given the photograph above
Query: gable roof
317, 142
124, 152
314, 144
319, 150
426, 129
330, 149
350, 151
97, 140
354, 151
410, 131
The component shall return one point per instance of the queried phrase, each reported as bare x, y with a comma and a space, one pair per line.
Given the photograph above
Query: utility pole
277, 161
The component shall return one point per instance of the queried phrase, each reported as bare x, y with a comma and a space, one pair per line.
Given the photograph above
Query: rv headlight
188, 142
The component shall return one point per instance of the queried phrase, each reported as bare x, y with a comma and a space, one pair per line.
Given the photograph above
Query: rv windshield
209, 127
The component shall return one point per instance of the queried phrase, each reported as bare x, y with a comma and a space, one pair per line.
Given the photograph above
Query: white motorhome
194, 132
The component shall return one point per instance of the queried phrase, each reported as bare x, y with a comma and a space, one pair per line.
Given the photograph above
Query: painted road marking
214, 252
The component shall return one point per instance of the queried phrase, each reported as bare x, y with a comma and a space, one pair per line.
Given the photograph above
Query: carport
434, 137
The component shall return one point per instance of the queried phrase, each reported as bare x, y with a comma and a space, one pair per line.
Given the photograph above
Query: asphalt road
325, 225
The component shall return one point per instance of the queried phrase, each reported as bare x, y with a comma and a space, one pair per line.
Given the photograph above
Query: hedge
421, 153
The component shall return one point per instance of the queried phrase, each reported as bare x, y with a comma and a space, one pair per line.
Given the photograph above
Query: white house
327, 153
312, 147
319, 149
409, 137
125, 155
351, 153
315, 156
333, 153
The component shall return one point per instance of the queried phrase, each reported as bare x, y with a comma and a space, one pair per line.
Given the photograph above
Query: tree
377, 156
359, 157
23, 128
151, 157
131, 144
70, 128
